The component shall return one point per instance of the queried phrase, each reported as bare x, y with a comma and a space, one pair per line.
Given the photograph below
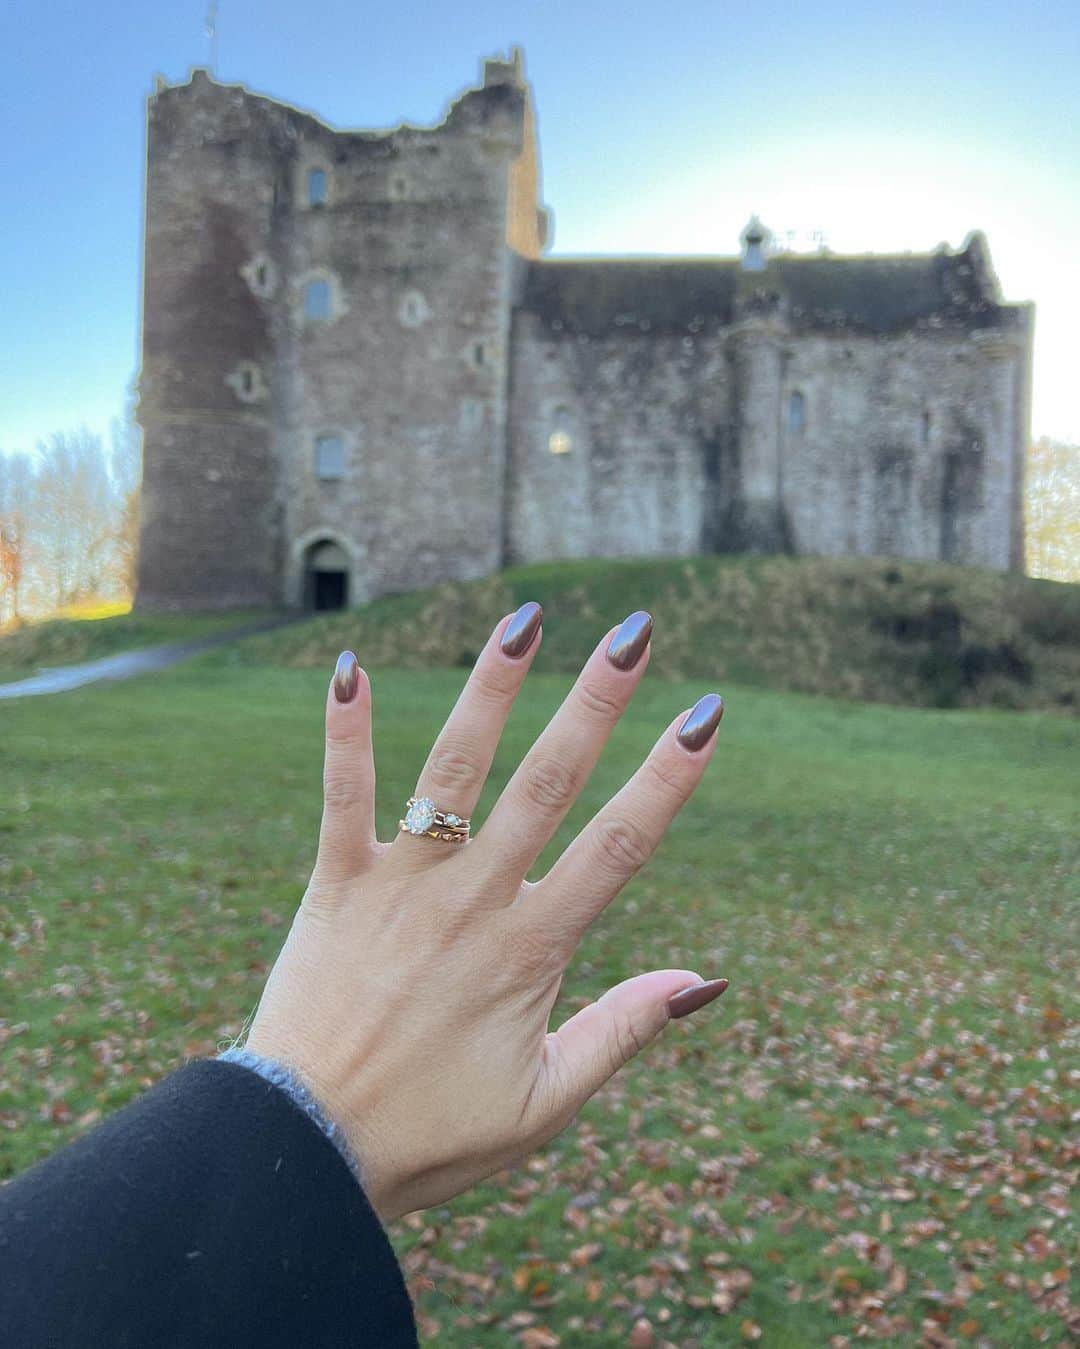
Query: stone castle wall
498, 408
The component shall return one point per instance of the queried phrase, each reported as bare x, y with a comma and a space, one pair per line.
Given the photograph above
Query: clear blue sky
662, 128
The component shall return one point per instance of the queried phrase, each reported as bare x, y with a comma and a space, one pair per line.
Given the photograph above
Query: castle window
413, 309
317, 300
560, 441
316, 187
329, 458
796, 413
478, 353
924, 434
247, 382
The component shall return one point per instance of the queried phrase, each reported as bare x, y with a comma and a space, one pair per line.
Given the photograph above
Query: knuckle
549, 784
599, 701
671, 779
629, 1041
453, 763
341, 793
623, 846
494, 684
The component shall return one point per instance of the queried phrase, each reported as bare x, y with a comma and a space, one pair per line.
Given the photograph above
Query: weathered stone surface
498, 407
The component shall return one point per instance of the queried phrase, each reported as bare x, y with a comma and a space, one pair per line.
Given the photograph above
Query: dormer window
796, 413
316, 187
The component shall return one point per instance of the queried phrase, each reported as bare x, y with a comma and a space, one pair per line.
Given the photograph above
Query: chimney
754, 237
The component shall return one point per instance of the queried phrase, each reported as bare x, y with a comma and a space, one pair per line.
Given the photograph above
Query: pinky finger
347, 835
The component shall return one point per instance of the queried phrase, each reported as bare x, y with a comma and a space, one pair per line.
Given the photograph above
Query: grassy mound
877, 630
69, 641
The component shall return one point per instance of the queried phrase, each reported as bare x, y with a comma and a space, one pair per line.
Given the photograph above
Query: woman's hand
414, 990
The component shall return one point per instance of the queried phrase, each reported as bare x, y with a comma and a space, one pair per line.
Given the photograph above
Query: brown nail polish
521, 630
688, 1000
346, 677
701, 722
631, 639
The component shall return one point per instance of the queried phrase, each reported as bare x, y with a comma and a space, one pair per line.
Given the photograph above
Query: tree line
68, 523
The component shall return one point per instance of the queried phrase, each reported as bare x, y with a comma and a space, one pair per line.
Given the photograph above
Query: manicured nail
701, 722
521, 630
346, 677
697, 995
625, 648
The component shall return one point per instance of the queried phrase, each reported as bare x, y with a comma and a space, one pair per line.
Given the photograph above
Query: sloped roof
874, 293
596, 295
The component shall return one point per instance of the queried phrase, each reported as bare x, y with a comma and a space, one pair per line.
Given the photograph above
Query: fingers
460, 760
347, 835
597, 1041
552, 774
621, 838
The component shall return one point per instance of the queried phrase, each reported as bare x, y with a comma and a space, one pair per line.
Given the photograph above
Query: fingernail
631, 639
346, 677
701, 722
521, 630
697, 995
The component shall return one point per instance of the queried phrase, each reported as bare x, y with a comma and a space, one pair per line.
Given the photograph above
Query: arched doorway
326, 576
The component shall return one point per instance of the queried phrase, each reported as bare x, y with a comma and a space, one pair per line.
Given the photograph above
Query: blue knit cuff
287, 1081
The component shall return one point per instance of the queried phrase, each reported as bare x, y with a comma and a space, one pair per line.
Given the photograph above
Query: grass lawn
866, 1137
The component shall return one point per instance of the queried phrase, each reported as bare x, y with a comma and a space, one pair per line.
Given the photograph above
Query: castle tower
206, 387
325, 344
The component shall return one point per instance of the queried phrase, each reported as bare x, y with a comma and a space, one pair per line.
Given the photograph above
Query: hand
414, 990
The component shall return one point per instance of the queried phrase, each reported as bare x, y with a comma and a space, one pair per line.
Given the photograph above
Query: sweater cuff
286, 1080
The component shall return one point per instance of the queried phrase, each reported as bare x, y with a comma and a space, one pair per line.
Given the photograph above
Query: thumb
595, 1043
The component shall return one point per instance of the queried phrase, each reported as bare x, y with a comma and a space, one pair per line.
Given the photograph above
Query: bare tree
16, 493
72, 517
125, 465
1053, 510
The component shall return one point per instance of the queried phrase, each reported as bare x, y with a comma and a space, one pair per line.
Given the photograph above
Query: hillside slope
878, 630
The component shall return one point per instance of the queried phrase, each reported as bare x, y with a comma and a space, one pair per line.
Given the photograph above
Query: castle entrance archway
326, 576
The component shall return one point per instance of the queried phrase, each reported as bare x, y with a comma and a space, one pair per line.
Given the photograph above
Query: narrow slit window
316, 187
796, 413
926, 427
478, 353
317, 300
329, 458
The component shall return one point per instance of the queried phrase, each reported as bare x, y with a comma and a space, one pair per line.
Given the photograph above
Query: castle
360, 374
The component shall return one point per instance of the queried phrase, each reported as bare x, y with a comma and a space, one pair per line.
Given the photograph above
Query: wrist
289, 1081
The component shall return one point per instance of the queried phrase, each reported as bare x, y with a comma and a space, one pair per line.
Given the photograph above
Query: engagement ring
422, 817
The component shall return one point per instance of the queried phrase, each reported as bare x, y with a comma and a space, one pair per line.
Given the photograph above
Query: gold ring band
425, 820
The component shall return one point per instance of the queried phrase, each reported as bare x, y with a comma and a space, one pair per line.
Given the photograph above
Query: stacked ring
423, 818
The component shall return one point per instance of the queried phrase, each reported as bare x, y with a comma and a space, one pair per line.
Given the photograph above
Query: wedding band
424, 819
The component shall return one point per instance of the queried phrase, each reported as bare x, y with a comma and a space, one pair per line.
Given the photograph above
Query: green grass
897, 632
68, 641
868, 1130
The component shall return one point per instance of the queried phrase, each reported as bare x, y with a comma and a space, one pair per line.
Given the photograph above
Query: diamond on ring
424, 819
420, 816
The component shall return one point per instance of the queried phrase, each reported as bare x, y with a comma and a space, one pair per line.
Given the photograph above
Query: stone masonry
359, 375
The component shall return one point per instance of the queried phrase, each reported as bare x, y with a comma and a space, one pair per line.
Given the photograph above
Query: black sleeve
210, 1212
